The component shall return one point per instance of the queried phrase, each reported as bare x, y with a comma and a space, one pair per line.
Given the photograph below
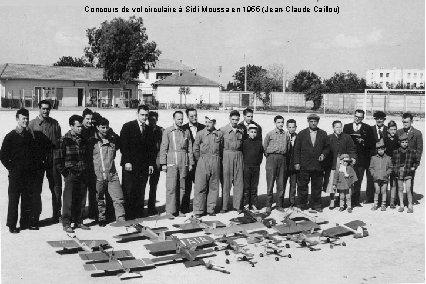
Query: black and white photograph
196, 141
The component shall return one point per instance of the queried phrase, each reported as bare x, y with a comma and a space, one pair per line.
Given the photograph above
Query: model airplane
75, 245
252, 217
273, 248
141, 232
356, 227
125, 268
233, 229
193, 224
308, 240
185, 249
105, 256
291, 227
243, 254
298, 214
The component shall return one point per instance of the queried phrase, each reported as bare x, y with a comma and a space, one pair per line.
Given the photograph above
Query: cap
211, 117
379, 114
313, 116
403, 136
345, 157
252, 126
380, 144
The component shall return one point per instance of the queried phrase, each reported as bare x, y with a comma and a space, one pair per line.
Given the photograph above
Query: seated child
344, 179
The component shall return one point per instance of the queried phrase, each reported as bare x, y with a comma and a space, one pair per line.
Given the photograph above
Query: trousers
175, 187
112, 185
55, 185
316, 179
74, 199
134, 183
232, 175
153, 182
276, 167
20, 189
251, 182
206, 188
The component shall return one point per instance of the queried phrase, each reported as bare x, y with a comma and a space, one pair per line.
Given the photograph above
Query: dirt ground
393, 253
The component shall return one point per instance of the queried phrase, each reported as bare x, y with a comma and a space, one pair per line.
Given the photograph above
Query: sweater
252, 152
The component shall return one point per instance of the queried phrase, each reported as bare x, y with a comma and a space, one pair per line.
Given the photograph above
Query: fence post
343, 103
405, 102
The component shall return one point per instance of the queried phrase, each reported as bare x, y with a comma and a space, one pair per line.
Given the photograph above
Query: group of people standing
203, 155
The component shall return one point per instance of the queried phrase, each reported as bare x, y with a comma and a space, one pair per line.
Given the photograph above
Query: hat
403, 136
313, 116
211, 117
380, 144
379, 114
252, 126
345, 157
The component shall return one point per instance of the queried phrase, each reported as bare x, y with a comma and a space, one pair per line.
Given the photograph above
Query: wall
170, 94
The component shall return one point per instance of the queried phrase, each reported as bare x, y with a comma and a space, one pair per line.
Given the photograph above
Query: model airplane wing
104, 256
336, 232
129, 223
115, 265
235, 229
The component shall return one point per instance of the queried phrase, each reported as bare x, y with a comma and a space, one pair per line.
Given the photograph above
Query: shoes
152, 212
170, 216
34, 227
331, 206
82, 226
68, 229
304, 207
383, 208
401, 209
319, 210
375, 207
181, 214
342, 209
13, 230
349, 209
212, 214
410, 209
197, 215
223, 211
268, 210
102, 223
239, 211
392, 206
280, 209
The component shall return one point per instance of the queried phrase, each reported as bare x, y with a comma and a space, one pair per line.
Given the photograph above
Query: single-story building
69, 86
186, 88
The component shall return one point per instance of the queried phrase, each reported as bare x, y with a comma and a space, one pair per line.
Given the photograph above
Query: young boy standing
405, 163
343, 182
252, 156
380, 169
291, 174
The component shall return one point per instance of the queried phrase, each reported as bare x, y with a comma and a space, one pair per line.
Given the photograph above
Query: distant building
163, 68
201, 89
390, 78
70, 86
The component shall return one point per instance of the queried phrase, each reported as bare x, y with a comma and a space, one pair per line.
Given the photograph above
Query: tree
310, 84
184, 91
122, 48
252, 71
345, 83
231, 86
72, 61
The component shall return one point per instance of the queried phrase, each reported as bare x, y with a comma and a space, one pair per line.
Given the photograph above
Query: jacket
276, 142
136, 148
252, 152
71, 154
307, 154
176, 147
208, 143
380, 167
367, 148
375, 134
339, 145
157, 136
410, 162
245, 134
341, 181
290, 152
103, 152
415, 141
200, 127
232, 141
391, 145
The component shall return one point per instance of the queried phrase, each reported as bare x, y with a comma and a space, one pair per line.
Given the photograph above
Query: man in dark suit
380, 131
363, 137
310, 149
136, 160
415, 138
248, 119
193, 126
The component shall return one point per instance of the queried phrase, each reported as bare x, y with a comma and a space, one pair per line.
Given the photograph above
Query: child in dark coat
344, 179
252, 155
380, 169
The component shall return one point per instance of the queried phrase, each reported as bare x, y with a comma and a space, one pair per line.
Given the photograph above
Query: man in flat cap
310, 149
208, 148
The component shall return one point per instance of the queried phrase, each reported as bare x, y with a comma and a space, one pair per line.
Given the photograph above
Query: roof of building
186, 79
45, 72
168, 64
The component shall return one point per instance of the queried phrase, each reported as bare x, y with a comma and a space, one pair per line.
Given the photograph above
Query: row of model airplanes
298, 226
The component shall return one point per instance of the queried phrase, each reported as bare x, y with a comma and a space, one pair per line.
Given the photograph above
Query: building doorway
80, 97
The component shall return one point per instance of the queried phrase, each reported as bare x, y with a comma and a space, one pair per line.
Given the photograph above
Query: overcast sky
365, 34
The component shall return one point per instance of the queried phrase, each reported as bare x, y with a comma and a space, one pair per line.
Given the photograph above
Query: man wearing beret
415, 138
310, 149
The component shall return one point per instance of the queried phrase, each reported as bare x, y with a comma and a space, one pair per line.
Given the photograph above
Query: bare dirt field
393, 253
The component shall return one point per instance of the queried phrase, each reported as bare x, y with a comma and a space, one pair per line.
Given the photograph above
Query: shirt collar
192, 125
20, 130
279, 131
310, 130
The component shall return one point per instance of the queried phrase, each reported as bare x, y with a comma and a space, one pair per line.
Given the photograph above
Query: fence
390, 101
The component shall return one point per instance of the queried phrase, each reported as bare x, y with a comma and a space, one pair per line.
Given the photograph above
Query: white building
389, 78
200, 89
163, 68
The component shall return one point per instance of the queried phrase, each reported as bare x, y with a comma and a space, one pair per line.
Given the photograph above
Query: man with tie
415, 138
379, 131
291, 173
363, 138
137, 161
193, 126
310, 150
248, 119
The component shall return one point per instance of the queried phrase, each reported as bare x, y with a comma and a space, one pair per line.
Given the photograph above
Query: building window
414, 85
387, 75
161, 76
381, 75
147, 75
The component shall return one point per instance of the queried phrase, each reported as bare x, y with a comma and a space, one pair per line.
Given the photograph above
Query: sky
365, 34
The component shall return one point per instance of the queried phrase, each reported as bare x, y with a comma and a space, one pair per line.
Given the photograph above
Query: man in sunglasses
363, 138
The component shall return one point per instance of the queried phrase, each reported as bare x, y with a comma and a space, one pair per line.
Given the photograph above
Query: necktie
141, 127
380, 133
